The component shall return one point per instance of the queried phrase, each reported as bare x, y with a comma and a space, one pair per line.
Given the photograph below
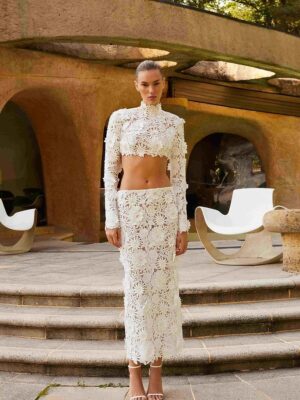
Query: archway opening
21, 176
218, 164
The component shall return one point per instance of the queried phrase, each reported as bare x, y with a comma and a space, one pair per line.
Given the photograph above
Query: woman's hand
181, 242
114, 236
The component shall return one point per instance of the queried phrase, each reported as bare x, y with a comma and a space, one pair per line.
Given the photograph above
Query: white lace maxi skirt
152, 306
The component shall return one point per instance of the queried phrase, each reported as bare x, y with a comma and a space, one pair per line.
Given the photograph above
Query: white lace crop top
146, 129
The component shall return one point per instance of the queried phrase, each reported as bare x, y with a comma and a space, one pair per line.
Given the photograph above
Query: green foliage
279, 14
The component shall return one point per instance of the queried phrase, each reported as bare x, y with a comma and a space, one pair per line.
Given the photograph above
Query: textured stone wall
68, 103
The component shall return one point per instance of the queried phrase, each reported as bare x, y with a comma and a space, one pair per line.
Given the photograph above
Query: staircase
75, 331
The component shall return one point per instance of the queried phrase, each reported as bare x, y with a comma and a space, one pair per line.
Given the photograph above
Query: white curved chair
245, 216
20, 221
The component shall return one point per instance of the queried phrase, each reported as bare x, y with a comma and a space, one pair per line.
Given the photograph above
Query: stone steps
107, 358
198, 293
77, 329
90, 323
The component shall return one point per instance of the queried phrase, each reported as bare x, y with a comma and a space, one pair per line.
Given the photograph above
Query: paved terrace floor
279, 384
71, 264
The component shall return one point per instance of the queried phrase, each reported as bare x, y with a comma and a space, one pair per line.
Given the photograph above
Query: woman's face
150, 84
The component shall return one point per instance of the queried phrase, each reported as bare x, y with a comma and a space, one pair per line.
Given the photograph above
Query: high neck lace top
146, 129
149, 110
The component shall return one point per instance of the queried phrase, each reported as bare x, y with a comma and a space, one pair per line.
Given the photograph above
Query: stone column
287, 222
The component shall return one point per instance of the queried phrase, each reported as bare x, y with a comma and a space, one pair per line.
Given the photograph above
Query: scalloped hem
147, 359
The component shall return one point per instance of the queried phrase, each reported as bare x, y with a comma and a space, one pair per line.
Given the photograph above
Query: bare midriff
144, 172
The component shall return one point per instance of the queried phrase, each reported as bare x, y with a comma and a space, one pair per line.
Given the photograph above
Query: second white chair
245, 216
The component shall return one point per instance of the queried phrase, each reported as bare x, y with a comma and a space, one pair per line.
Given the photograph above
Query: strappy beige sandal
151, 396
139, 397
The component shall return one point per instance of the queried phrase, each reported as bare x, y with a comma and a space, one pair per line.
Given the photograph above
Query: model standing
147, 220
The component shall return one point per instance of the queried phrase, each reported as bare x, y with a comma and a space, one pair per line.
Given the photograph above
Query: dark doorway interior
219, 164
21, 177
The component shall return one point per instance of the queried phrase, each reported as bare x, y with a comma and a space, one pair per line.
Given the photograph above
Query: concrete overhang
188, 35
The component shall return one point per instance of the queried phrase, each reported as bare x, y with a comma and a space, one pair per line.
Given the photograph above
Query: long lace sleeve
112, 168
178, 176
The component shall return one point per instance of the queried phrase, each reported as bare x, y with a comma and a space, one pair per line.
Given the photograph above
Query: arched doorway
21, 177
218, 164
65, 151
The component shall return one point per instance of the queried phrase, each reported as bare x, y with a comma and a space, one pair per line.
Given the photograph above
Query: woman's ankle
133, 364
156, 363
135, 380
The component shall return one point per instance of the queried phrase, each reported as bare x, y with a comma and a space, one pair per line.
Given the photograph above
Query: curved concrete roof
184, 32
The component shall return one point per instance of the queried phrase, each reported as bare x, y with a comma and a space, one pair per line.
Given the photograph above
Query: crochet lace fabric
146, 129
152, 306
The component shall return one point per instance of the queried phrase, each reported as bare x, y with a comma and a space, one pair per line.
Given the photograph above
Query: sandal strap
134, 366
155, 394
155, 366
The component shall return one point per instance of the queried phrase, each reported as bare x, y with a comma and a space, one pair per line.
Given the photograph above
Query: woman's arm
178, 176
112, 168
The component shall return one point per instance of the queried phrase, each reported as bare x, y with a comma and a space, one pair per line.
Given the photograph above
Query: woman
146, 219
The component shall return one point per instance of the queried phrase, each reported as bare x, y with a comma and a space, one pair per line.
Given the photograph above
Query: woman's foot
136, 387
155, 389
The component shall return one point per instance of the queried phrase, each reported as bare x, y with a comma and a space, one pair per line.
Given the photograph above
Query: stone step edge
201, 288
226, 317
117, 358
